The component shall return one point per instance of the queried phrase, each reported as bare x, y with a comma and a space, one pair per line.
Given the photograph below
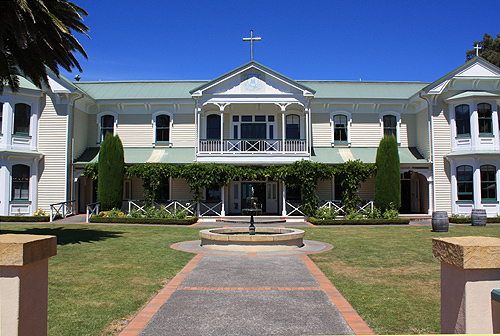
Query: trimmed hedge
396, 221
467, 220
129, 220
24, 218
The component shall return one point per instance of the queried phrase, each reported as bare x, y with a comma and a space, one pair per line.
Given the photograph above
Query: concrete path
248, 294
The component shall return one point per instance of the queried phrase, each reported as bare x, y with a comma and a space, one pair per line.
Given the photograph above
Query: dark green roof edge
257, 65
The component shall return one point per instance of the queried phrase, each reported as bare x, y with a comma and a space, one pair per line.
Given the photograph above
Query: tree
387, 178
490, 49
111, 169
36, 35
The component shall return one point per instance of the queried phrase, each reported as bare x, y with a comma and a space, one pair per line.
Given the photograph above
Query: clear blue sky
304, 40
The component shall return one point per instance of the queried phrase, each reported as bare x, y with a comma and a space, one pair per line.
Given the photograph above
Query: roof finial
477, 47
251, 39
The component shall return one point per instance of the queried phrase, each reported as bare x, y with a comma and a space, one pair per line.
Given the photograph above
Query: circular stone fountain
239, 239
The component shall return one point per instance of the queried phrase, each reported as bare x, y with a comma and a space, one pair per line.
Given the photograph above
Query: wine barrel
440, 221
478, 217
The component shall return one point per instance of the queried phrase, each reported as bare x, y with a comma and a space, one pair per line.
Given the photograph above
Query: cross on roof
477, 47
251, 39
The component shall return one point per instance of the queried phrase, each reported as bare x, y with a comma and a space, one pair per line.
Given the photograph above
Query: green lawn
103, 274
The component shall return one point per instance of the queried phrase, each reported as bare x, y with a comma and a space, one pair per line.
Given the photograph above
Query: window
390, 126
462, 120
465, 186
213, 194
163, 191
162, 128
339, 191
213, 126
488, 183
1, 115
484, 118
292, 126
107, 125
340, 128
20, 182
22, 114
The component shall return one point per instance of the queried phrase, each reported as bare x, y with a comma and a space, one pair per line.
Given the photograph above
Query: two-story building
448, 135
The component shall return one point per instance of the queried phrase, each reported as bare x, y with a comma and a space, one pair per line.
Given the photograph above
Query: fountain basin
239, 239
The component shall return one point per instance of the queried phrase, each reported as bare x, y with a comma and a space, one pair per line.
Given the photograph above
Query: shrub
362, 221
352, 214
24, 218
111, 168
387, 178
326, 213
39, 213
372, 214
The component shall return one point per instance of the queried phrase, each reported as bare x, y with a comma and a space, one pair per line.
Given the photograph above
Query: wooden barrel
440, 221
478, 217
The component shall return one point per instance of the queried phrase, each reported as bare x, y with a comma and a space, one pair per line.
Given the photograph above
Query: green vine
351, 175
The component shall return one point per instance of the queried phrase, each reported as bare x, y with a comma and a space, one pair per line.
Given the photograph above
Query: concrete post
24, 266
470, 270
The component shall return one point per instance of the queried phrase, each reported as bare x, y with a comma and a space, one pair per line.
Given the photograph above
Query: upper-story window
485, 119
162, 128
390, 125
488, 183
340, 128
213, 126
292, 126
107, 125
20, 182
1, 117
22, 115
462, 120
465, 185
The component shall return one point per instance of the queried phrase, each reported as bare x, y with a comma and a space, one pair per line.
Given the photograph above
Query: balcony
256, 151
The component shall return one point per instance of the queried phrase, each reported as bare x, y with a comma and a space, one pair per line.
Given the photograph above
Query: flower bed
367, 221
130, 220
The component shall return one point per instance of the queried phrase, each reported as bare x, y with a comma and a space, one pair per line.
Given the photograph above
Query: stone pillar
24, 266
470, 270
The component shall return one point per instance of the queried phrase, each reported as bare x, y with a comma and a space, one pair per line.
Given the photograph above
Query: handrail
92, 209
187, 205
64, 209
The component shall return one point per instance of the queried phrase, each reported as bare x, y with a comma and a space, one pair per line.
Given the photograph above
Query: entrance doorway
414, 193
259, 190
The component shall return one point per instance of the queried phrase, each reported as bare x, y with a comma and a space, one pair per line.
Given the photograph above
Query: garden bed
467, 220
396, 221
24, 219
130, 220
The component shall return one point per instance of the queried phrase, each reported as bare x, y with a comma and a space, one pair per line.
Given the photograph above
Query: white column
474, 126
283, 126
477, 185
454, 191
283, 211
307, 128
223, 199
221, 128
431, 200
4, 191
496, 127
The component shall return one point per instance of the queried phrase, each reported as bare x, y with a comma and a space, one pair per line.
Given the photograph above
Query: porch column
223, 199
283, 211
477, 184
221, 107
283, 126
306, 110
431, 200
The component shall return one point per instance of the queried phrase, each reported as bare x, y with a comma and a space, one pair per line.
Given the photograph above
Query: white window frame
2, 119
99, 117
13, 106
332, 126
153, 121
398, 124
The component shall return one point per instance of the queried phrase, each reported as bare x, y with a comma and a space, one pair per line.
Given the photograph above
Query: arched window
484, 119
22, 115
20, 182
107, 125
462, 120
213, 126
465, 185
292, 126
488, 183
390, 125
340, 128
162, 128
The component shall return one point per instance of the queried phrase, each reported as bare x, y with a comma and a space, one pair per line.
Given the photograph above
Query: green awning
179, 155
407, 155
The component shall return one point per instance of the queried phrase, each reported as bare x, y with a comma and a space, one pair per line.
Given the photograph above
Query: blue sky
303, 40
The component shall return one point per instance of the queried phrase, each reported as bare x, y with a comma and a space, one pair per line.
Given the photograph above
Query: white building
448, 133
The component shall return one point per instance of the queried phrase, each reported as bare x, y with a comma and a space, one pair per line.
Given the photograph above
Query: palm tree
36, 35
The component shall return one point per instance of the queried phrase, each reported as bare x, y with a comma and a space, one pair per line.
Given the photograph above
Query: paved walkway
248, 293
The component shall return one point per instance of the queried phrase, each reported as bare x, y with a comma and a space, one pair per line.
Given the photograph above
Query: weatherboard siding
365, 130
180, 190
80, 132
407, 131
183, 131
367, 189
92, 131
324, 190
422, 133
135, 130
52, 143
321, 130
442, 146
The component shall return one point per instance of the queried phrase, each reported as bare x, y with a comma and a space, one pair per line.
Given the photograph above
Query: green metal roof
470, 94
364, 90
180, 155
471, 153
407, 155
138, 89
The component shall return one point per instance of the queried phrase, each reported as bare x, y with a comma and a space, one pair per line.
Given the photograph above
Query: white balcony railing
269, 146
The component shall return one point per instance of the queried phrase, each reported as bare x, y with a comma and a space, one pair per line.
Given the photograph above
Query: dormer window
462, 120
390, 126
107, 125
22, 115
485, 119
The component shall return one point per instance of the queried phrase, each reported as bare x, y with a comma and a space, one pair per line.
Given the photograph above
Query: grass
103, 274
388, 274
